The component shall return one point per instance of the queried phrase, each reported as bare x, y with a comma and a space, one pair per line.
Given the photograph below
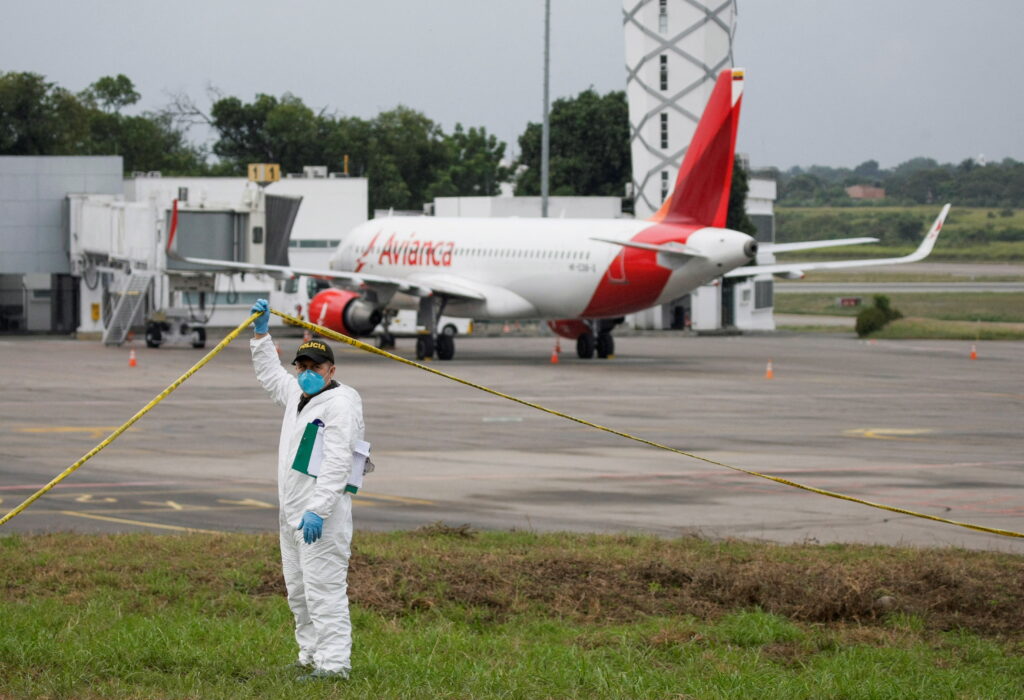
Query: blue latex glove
312, 527
261, 324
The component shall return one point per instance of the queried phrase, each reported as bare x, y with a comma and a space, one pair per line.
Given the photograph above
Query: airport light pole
545, 134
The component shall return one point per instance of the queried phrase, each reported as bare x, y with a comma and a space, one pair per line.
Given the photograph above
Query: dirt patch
586, 578
946, 589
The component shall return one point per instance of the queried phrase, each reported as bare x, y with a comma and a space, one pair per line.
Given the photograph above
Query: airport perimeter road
911, 423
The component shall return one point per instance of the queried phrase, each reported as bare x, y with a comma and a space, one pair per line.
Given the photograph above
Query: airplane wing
350, 279
353, 280
809, 245
796, 270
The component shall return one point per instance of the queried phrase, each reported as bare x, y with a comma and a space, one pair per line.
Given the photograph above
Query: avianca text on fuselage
410, 252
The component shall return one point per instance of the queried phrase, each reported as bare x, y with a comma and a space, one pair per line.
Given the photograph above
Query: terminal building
82, 244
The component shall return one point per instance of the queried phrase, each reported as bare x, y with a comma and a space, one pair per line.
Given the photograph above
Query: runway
910, 423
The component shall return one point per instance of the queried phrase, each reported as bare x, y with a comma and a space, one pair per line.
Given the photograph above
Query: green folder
305, 451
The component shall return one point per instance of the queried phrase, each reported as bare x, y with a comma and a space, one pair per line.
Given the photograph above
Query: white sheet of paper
359, 455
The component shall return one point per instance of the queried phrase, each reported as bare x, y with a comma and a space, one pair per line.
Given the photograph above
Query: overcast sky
829, 82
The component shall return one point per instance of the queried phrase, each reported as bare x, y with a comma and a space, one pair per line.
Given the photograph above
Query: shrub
870, 320
874, 318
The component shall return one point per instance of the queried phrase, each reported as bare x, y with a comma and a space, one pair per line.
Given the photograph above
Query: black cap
316, 350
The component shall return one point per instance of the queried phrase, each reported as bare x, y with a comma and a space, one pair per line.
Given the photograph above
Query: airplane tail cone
131, 358
554, 356
974, 351
769, 373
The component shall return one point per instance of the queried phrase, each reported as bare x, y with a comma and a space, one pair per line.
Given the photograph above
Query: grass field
969, 234
445, 613
999, 307
938, 315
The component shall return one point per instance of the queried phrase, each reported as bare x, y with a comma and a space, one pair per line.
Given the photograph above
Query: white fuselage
540, 268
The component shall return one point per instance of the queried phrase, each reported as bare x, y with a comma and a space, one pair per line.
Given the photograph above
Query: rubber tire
424, 347
450, 330
154, 336
585, 346
605, 345
385, 341
445, 347
199, 337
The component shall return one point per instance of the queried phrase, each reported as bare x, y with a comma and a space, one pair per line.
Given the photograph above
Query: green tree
40, 118
146, 142
589, 147
473, 165
267, 130
112, 93
737, 218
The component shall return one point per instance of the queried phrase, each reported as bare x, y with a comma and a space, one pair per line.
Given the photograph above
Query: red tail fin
701, 194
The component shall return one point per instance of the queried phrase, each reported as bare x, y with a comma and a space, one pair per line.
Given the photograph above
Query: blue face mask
310, 382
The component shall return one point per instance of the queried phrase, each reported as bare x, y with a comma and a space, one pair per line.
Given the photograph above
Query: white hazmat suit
315, 574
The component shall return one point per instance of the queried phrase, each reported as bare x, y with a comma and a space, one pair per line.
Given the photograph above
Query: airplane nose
750, 248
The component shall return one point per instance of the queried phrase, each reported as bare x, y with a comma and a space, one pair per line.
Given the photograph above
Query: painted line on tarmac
93, 432
125, 521
121, 484
393, 499
889, 433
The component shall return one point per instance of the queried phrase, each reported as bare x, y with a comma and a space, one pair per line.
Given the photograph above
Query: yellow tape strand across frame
383, 353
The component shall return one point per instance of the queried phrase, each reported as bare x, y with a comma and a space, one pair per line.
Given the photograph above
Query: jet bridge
119, 249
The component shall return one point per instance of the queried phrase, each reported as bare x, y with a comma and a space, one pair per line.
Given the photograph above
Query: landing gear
598, 338
445, 346
386, 339
425, 347
198, 337
585, 346
154, 335
434, 340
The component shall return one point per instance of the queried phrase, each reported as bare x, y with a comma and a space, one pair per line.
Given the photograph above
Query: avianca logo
413, 252
361, 260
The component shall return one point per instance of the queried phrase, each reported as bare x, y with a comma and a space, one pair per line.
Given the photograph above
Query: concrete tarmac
914, 424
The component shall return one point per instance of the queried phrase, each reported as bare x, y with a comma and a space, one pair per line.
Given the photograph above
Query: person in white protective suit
322, 422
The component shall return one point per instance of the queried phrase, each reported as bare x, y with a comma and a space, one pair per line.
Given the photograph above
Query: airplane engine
569, 328
343, 311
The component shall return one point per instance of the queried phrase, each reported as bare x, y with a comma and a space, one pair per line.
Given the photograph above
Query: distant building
865, 192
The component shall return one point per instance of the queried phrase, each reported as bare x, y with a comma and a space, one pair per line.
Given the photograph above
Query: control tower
674, 52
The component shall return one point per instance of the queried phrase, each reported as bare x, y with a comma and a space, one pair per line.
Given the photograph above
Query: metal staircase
128, 306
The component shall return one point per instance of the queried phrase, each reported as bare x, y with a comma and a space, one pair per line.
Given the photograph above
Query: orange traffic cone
974, 351
131, 358
768, 372
554, 357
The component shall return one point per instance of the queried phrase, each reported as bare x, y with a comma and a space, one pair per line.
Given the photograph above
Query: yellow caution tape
383, 353
145, 409
779, 480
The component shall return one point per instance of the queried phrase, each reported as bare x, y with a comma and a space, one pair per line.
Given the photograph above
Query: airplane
582, 276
